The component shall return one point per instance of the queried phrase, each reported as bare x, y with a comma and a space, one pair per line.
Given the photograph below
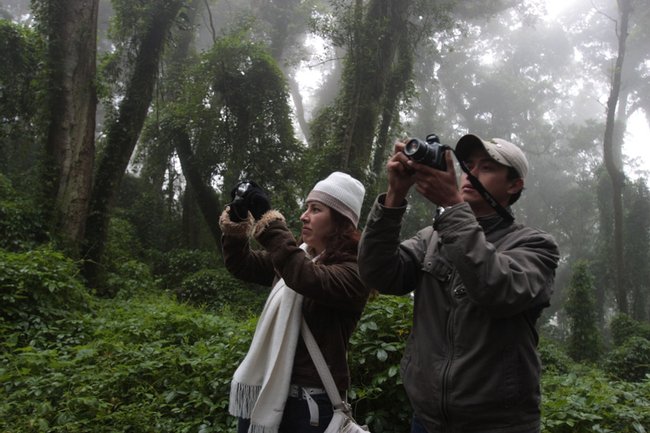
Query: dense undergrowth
158, 357
149, 363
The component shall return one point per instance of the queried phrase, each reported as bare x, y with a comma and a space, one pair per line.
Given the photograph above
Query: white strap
321, 366
313, 407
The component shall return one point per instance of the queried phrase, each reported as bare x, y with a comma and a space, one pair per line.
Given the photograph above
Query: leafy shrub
21, 225
215, 288
584, 339
554, 359
149, 364
177, 265
585, 401
624, 327
39, 285
631, 361
143, 365
122, 243
130, 278
376, 349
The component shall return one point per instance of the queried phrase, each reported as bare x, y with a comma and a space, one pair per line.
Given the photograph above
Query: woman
277, 387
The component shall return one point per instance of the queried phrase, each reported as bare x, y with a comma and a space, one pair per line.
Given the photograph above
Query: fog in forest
538, 73
139, 117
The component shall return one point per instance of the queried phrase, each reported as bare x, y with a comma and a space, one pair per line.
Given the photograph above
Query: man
480, 282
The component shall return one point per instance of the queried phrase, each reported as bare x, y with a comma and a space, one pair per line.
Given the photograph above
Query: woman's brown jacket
334, 296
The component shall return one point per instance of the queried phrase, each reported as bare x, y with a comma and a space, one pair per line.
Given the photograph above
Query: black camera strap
507, 216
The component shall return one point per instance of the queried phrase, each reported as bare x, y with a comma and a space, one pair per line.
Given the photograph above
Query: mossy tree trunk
368, 68
70, 28
121, 136
206, 198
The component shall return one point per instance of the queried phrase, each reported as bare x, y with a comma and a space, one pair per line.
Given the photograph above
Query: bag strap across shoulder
321, 366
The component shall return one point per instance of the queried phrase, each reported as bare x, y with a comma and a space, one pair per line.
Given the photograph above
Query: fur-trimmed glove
241, 229
263, 224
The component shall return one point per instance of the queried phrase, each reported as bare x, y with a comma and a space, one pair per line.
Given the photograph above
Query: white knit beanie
341, 192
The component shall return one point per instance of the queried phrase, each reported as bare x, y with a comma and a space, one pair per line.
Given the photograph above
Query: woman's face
317, 224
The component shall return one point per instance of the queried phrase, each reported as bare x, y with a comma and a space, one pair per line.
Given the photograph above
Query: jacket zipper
450, 340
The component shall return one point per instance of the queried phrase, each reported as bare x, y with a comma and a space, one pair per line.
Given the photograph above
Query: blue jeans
296, 416
416, 426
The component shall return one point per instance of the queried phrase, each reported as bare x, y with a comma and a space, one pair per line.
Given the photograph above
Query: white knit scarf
260, 385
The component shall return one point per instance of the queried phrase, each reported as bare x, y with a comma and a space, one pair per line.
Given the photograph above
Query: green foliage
176, 265
376, 348
130, 278
20, 50
584, 341
584, 401
153, 214
324, 156
215, 288
238, 128
554, 359
141, 365
630, 361
125, 272
637, 248
624, 327
149, 364
21, 223
38, 286
122, 242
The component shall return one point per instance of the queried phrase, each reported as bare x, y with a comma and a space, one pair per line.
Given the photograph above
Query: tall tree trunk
371, 62
122, 135
395, 88
206, 198
612, 163
71, 28
159, 163
294, 90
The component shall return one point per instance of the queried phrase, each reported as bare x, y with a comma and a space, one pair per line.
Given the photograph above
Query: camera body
240, 190
248, 196
429, 152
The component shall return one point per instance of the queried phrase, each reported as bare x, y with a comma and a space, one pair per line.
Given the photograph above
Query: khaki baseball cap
500, 150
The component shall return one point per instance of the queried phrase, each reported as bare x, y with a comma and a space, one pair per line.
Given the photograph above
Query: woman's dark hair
342, 244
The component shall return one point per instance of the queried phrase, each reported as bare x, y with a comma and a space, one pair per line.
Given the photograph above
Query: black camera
248, 196
429, 152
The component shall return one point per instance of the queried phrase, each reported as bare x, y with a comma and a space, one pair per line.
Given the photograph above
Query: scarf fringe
242, 399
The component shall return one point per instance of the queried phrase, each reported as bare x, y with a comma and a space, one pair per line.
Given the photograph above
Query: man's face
493, 176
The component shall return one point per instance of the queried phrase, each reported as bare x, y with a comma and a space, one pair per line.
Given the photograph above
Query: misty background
124, 125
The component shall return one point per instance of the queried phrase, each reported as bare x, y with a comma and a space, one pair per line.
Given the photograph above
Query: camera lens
430, 153
413, 147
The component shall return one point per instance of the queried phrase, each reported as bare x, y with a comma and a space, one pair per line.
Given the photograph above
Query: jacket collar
494, 222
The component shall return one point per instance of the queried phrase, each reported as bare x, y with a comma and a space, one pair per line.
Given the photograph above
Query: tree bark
206, 198
122, 135
613, 163
378, 37
70, 146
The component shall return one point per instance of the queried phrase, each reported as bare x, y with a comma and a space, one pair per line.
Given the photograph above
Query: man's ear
516, 186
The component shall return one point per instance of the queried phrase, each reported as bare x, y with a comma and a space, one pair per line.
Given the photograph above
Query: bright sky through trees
637, 136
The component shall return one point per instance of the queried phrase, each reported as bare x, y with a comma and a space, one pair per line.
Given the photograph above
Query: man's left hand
437, 186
